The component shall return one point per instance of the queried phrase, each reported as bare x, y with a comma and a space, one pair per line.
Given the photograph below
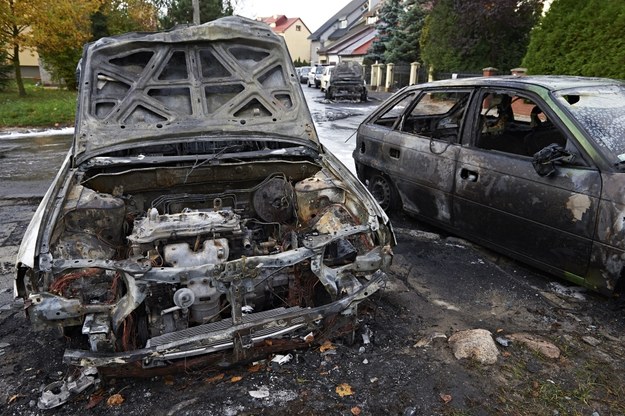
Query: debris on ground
538, 344
476, 344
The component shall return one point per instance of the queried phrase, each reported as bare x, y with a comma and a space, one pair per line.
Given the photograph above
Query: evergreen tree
388, 20
181, 11
579, 37
485, 33
5, 69
404, 45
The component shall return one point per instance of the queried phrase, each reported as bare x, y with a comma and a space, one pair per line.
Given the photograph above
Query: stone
536, 343
476, 344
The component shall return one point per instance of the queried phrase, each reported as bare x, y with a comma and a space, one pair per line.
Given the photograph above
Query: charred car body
347, 81
196, 211
529, 166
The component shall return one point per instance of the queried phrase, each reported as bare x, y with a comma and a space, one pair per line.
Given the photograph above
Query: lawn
42, 107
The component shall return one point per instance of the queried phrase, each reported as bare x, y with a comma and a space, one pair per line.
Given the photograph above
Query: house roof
344, 12
356, 41
280, 23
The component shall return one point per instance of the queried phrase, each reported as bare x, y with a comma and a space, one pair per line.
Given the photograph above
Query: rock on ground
476, 344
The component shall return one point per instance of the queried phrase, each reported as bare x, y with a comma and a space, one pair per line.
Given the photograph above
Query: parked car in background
197, 218
346, 81
303, 73
314, 76
533, 167
325, 77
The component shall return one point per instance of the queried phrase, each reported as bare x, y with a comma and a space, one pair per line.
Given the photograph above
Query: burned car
197, 218
532, 167
346, 81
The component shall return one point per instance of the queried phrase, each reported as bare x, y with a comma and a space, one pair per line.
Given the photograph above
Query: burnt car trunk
197, 213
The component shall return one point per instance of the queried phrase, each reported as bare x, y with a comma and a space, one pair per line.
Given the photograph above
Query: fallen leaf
216, 378
506, 354
254, 368
499, 330
344, 390
268, 342
235, 379
115, 400
169, 380
309, 338
356, 411
94, 400
14, 398
446, 398
327, 345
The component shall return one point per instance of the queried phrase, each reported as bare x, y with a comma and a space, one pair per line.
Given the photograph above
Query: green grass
42, 107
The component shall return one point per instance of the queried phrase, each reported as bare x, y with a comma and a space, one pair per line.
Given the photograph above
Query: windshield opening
601, 112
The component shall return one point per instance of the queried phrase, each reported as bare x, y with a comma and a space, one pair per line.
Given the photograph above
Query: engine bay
144, 252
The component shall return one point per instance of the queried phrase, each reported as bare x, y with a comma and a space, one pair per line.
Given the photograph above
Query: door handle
469, 175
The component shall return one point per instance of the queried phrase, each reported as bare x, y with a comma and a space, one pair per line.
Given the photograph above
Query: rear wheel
384, 192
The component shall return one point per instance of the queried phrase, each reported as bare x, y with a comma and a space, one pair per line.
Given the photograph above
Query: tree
121, 16
404, 45
5, 69
59, 30
485, 33
388, 19
579, 37
181, 11
14, 22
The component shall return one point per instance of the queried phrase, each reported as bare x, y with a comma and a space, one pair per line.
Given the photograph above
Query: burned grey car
197, 217
347, 81
530, 166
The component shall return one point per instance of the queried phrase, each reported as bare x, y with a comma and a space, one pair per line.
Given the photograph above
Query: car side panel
501, 200
422, 171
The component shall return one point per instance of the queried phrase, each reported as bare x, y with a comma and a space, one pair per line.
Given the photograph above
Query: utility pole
196, 12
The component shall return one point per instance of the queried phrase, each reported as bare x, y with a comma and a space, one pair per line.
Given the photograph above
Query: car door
502, 201
415, 143
423, 148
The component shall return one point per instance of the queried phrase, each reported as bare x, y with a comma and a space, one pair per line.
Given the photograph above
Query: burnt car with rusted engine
533, 167
197, 218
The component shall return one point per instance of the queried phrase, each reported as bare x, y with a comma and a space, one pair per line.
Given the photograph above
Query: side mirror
544, 160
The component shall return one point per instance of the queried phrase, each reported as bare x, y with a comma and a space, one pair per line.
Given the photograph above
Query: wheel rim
381, 191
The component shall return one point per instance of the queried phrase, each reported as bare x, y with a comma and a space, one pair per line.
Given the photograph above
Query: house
295, 34
346, 35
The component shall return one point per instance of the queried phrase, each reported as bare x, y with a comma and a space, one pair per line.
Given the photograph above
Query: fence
453, 75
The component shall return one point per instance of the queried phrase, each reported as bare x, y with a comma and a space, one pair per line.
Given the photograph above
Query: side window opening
515, 124
390, 117
437, 115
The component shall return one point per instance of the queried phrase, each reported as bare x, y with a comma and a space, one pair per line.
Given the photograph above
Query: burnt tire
329, 93
384, 192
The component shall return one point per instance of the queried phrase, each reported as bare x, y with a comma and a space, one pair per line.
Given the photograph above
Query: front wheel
384, 192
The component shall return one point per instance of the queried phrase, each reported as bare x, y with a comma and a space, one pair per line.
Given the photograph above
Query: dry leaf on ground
327, 345
115, 400
344, 390
215, 378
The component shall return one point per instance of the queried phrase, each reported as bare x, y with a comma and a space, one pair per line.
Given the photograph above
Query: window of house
298, 28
